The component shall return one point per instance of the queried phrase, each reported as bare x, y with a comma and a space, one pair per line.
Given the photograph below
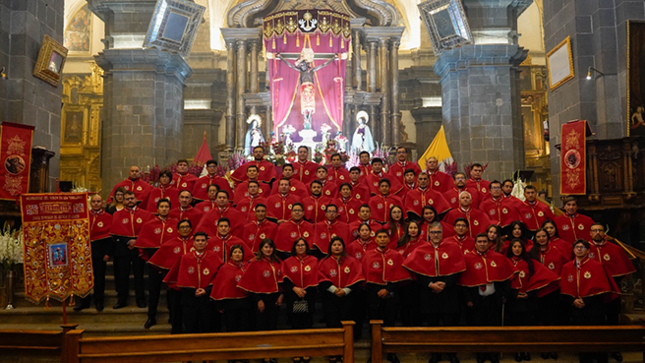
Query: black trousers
599, 357
126, 260
238, 314
268, 319
174, 311
200, 316
155, 284
98, 268
381, 308
337, 309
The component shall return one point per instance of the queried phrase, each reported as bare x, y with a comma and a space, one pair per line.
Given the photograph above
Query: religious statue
362, 139
324, 130
254, 134
341, 142
304, 65
287, 131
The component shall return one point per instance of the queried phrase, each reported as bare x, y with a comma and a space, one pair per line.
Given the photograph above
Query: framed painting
446, 23
50, 62
174, 25
73, 125
78, 35
559, 63
635, 78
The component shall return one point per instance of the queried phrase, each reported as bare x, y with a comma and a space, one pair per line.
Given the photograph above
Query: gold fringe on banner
47, 306
273, 44
342, 42
331, 41
72, 302
284, 38
317, 39
297, 40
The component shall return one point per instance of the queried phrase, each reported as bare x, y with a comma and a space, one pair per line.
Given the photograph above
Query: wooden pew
605, 338
216, 346
35, 343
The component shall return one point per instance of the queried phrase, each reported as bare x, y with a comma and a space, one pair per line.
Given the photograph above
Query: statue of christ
304, 65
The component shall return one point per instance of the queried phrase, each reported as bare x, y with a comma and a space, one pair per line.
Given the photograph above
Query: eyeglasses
184, 227
434, 232
579, 247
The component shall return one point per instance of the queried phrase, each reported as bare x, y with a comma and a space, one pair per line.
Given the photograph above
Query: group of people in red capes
424, 247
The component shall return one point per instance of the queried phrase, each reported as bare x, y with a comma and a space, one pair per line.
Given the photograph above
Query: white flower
11, 252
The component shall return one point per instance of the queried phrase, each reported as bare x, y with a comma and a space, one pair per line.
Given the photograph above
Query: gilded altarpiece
80, 151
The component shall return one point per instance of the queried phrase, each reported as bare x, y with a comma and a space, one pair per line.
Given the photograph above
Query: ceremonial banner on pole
573, 158
15, 153
57, 252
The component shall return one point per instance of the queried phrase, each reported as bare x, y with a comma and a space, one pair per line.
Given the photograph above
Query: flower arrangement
11, 253
352, 160
237, 159
451, 169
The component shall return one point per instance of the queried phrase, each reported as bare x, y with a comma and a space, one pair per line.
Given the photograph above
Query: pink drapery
329, 82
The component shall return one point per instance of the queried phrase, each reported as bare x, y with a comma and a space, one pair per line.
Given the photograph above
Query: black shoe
617, 356
80, 307
99, 306
453, 358
554, 355
120, 304
141, 303
518, 357
150, 322
526, 356
392, 358
545, 355
435, 358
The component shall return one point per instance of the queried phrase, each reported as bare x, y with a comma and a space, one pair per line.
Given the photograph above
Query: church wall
24, 98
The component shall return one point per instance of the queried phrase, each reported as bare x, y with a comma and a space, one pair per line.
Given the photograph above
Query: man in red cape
326, 230
532, 211
476, 182
297, 187
364, 216
571, 225
208, 204
133, 183
377, 174
452, 194
266, 170
439, 181
477, 220
164, 191
437, 266
250, 200
279, 205
461, 237
293, 229
200, 190
258, 229
184, 210
193, 275
223, 240
224, 209
348, 206
360, 189
398, 169
501, 211
183, 180
382, 202
241, 190
364, 165
424, 195
316, 203
329, 188
303, 169
337, 174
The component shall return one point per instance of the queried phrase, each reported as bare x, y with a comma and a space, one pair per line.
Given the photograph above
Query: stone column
240, 116
230, 95
371, 66
384, 79
394, 73
358, 73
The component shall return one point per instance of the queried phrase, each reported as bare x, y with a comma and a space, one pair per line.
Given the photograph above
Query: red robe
254, 232
208, 223
485, 268
445, 259
279, 206
411, 246
361, 192
289, 231
194, 271
533, 215
500, 211
381, 204
330, 189
262, 277
565, 247
247, 206
480, 185
242, 191
383, 267
222, 246
452, 197
325, 231
542, 280
171, 193
440, 181
200, 190
170, 252
588, 279
302, 272
315, 208
155, 233
138, 186
407, 188
353, 227
571, 228
613, 257
183, 182
266, 171
466, 244
417, 199
297, 188
225, 283
399, 231
304, 172
128, 222
338, 175
190, 213
358, 248
373, 180
365, 171
448, 230
397, 171
206, 206
552, 258
100, 223
343, 272
347, 209
528, 245
477, 220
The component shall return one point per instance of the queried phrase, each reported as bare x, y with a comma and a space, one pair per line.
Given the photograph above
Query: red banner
573, 158
15, 153
57, 252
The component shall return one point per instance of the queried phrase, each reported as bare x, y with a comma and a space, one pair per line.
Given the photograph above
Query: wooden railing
35, 343
217, 346
614, 338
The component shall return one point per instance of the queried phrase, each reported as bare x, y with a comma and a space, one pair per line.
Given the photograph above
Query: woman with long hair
396, 225
494, 234
429, 215
410, 290
518, 230
364, 243
554, 239
410, 239
235, 304
117, 201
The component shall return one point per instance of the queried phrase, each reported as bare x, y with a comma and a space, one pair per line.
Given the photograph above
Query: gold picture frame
51, 60
559, 64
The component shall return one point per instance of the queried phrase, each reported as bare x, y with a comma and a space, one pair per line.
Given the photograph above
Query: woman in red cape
530, 280
300, 282
429, 216
409, 290
235, 303
517, 229
396, 226
494, 234
362, 244
410, 240
339, 278
555, 240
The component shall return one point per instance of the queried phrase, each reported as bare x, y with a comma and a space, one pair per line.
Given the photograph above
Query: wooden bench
34, 343
216, 346
606, 338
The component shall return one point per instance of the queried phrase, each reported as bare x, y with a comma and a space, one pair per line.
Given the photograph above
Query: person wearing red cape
193, 276
236, 304
337, 174
185, 210
573, 225
182, 179
424, 195
360, 189
396, 226
409, 183
329, 189
398, 169
293, 229
364, 166
478, 221
153, 235
555, 240
363, 244
452, 194
486, 284
437, 267
102, 249
266, 170
428, 216
383, 201
586, 288
258, 229
224, 209
439, 181
476, 182
461, 238
134, 184
383, 271
125, 228
303, 169
200, 190
242, 189
376, 175
532, 211
364, 217
164, 259
411, 239
251, 199
500, 210
326, 230
164, 191
297, 187
316, 202
347, 205
279, 205
209, 203
530, 281
339, 278
222, 241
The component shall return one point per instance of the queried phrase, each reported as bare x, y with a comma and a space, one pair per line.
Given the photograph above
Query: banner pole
64, 311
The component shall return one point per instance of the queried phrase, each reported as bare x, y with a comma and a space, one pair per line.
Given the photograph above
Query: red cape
342, 272
253, 233
183, 182
190, 213
194, 271
170, 252
542, 277
613, 257
304, 172
100, 225
565, 247
444, 260
383, 267
485, 269
533, 215
266, 171
279, 207
209, 220
225, 283
261, 277
399, 231
200, 190
477, 220
452, 197
139, 187
325, 231
353, 228
128, 223
155, 232
247, 206
412, 245
361, 192
481, 185
552, 258
589, 280
338, 175
397, 170
315, 208
501, 212
381, 204
417, 199
301, 272
466, 245
358, 249
222, 247
440, 181
297, 188
348, 209
572, 228
289, 231
242, 191
373, 179
171, 193
330, 189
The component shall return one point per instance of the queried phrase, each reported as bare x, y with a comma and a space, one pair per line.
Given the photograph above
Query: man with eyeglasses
572, 225
290, 231
200, 190
461, 237
437, 266
423, 195
397, 170
500, 210
331, 227
258, 229
452, 195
